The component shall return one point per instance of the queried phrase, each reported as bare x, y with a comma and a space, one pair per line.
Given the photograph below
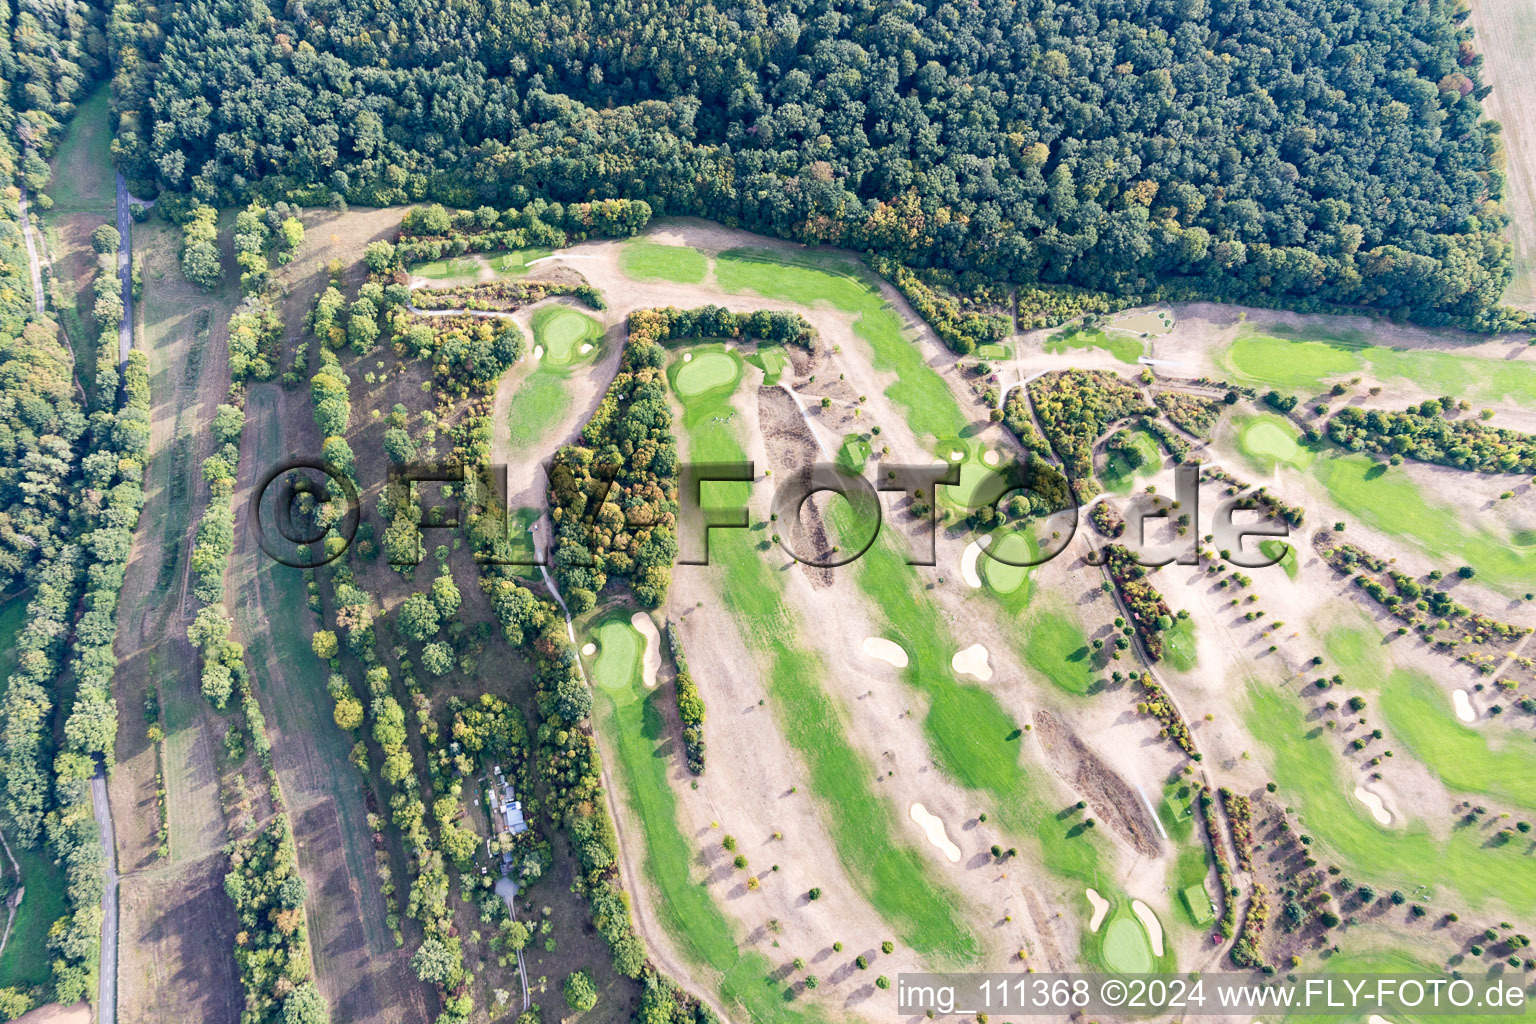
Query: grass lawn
1123, 347
810, 278
1302, 364
853, 453
871, 841
1391, 501
1266, 439
1179, 649
994, 350
83, 178
1384, 961
1119, 476
1055, 647
1305, 759
27, 960
453, 270
645, 260
515, 263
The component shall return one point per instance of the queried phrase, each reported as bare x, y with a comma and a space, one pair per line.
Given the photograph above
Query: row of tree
1426, 433
1248, 151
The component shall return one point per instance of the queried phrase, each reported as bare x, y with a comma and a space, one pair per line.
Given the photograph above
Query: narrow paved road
106, 1000
33, 262
125, 270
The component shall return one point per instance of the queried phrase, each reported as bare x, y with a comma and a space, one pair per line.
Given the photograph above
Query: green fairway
1118, 475
1306, 365
1179, 649
1266, 439
83, 178
707, 370
1384, 961
1127, 947
542, 399
561, 331
994, 350
455, 270
1388, 499
27, 960
1491, 760
1306, 759
1055, 647
812, 278
1123, 347
869, 838
644, 260
635, 735
515, 263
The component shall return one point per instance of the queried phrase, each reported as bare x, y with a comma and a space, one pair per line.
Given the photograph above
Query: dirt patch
53, 1013
792, 449
1106, 792
177, 934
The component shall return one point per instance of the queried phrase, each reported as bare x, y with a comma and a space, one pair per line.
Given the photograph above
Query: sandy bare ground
53, 1013
177, 935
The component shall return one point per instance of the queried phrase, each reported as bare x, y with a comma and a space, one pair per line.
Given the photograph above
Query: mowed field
1506, 36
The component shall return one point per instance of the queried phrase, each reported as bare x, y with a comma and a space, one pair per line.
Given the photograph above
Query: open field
1506, 37
82, 164
1123, 347
27, 960
177, 936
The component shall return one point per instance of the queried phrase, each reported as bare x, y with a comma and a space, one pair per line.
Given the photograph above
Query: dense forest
1307, 152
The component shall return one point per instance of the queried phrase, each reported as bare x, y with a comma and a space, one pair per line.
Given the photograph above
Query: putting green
561, 331
1127, 947
1266, 439
999, 575
707, 370
644, 260
619, 649
1283, 551
1125, 349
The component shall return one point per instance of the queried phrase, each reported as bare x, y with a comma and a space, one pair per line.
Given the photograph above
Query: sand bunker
1463, 704
1153, 925
972, 662
1377, 1018
1378, 809
968, 561
587, 650
956, 456
538, 352
989, 457
687, 357
933, 825
887, 651
585, 348
647, 629
1100, 908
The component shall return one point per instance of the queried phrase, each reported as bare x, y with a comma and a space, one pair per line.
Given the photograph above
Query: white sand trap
989, 457
972, 662
538, 352
887, 651
968, 561
585, 348
587, 650
687, 357
1377, 1018
1154, 926
1378, 809
642, 623
934, 825
1100, 908
956, 456
1463, 706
